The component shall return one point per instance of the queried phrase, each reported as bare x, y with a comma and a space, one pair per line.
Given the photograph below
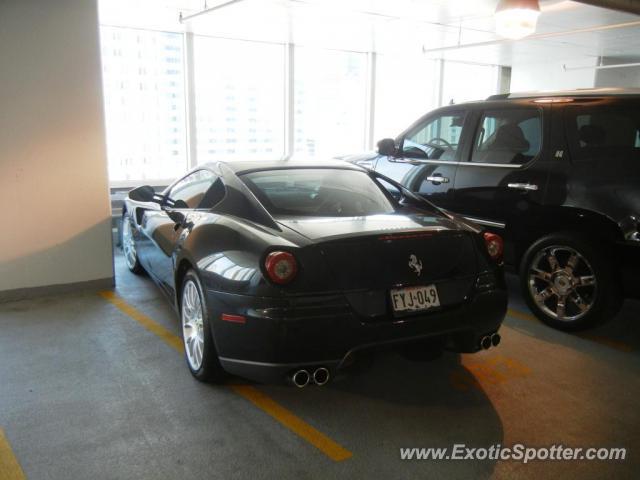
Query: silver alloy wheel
192, 324
128, 244
562, 283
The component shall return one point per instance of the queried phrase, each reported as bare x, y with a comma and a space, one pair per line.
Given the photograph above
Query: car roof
580, 92
243, 167
501, 100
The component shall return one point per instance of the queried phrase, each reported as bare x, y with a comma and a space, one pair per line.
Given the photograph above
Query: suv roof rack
580, 92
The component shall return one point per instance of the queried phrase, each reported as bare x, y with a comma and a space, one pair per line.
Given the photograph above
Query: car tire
199, 347
569, 282
129, 246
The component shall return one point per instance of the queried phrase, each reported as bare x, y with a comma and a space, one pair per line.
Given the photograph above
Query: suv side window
603, 131
437, 139
192, 188
510, 136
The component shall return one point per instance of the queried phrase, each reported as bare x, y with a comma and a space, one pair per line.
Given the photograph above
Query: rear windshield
599, 132
318, 192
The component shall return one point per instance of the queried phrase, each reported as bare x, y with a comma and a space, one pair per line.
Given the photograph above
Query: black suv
556, 175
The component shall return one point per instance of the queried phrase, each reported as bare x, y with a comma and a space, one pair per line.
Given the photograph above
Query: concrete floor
87, 392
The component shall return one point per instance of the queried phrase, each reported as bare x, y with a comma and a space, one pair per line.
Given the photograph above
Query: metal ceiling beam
538, 36
184, 18
626, 6
602, 67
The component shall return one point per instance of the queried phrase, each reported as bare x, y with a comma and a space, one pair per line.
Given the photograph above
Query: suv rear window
318, 192
603, 132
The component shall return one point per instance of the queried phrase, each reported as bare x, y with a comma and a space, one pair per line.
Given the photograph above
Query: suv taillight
495, 245
281, 267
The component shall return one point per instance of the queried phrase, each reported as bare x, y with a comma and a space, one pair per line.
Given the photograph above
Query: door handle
438, 179
523, 186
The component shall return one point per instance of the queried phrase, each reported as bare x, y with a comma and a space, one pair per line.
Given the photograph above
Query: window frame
197, 159
370, 112
299, 50
431, 117
570, 114
167, 191
480, 115
106, 29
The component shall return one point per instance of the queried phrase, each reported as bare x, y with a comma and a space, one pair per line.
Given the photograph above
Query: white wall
618, 77
527, 76
55, 217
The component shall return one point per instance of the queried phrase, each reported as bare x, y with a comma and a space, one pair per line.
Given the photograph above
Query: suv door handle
438, 179
523, 186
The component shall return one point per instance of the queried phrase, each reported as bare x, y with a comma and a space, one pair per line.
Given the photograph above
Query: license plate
415, 298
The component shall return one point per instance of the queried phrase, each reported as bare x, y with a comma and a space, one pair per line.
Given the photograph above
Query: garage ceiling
391, 27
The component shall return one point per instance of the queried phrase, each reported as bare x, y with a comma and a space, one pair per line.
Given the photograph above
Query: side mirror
387, 146
145, 193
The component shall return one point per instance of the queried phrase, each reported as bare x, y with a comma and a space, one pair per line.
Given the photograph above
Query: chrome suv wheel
562, 283
569, 282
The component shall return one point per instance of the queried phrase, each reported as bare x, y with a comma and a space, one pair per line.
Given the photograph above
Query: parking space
334, 189
89, 392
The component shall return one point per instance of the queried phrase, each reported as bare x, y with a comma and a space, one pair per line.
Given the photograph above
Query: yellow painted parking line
609, 342
292, 422
173, 340
9, 467
287, 418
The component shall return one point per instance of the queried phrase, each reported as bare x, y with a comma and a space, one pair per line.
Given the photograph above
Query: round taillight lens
494, 244
281, 267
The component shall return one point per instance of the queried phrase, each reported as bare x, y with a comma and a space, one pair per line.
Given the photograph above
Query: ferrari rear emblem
415, 264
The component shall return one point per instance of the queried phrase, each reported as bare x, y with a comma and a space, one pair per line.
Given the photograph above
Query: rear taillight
495, 245
281, 267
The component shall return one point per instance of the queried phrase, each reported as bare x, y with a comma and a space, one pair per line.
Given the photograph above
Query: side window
511, 136
192, 188
603, 132
437, 139
214, 195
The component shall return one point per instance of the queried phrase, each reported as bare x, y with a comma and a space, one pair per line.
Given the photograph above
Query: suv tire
569, 282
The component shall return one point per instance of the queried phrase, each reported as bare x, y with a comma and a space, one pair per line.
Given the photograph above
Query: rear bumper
282, 335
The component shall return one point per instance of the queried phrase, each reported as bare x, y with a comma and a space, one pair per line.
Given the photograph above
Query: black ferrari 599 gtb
287, 271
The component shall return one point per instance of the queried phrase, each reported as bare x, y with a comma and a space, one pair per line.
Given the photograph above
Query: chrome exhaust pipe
300, 378
485, 343
495, 339
321, 376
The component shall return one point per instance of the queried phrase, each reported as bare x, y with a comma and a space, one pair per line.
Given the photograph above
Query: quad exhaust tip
300, 378
489, 341
321, 376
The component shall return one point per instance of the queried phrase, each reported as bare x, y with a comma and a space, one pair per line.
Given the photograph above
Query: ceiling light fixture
516, 19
